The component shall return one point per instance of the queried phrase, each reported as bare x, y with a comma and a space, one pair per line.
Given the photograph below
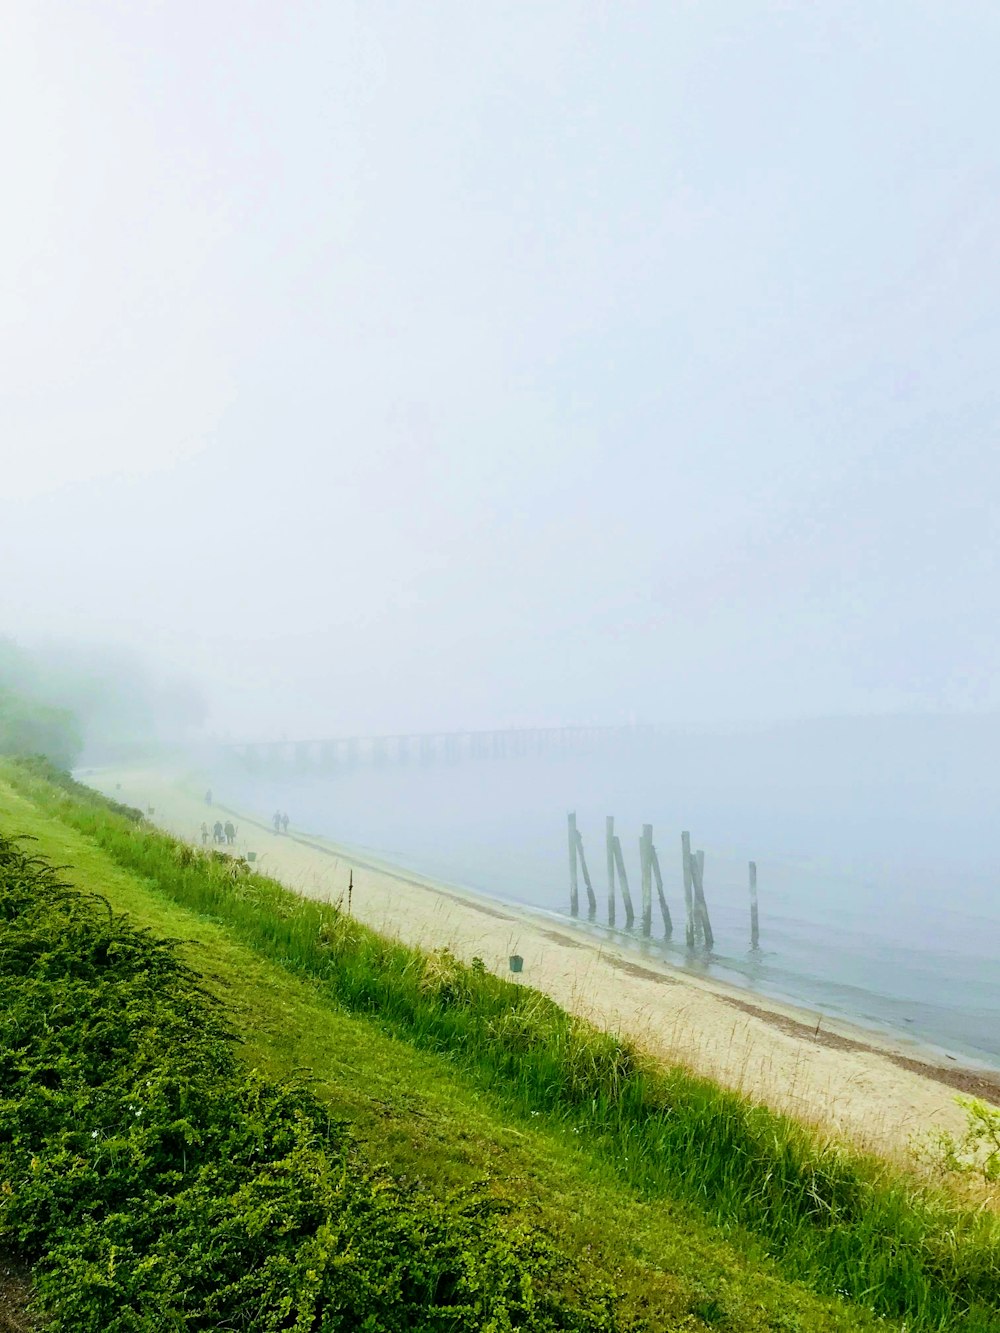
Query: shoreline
835, 1032
872, 1088
838, 1031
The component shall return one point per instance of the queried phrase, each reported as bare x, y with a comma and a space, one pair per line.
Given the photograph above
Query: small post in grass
591, 899
350, 890
688, 891
620, 863
609, 847
574, 889
646, 872
754, 925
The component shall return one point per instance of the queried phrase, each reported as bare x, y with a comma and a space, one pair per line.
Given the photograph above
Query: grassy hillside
698, 1209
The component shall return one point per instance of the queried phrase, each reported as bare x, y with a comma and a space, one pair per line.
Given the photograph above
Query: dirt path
837, 1078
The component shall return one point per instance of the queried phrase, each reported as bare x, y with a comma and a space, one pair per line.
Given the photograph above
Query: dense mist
390, 369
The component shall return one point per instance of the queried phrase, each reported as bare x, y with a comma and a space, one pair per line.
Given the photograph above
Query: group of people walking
227, 832
220, 832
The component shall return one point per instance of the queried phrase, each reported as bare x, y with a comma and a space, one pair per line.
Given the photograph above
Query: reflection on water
877, 883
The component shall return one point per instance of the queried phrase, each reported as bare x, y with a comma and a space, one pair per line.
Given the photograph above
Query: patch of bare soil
15, 1294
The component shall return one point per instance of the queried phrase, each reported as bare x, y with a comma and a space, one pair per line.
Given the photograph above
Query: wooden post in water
623, 879
688, 891
646, 870
701, 907
574, 890
754, 927
591, 900
609, 845
668, 925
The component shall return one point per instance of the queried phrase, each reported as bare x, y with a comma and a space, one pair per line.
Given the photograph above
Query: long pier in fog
429, 747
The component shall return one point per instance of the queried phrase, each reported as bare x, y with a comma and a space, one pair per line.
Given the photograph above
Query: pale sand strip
845, 1081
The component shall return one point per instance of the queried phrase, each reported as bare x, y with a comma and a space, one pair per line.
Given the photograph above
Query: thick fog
390, 367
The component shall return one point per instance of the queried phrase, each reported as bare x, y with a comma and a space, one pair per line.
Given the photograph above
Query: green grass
679, 1188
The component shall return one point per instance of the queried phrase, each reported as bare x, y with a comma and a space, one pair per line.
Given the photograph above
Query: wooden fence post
698, 871
668, 925
646, 869
754, 929
623, 878
688, 891
609, 844
591, 900
574, 891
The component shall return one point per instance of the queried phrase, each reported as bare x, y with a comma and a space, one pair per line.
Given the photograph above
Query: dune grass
835, 1220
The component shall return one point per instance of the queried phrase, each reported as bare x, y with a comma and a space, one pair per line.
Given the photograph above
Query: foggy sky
409, 365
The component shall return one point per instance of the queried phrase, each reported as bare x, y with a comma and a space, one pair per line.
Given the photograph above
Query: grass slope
419, 1100
155, 1183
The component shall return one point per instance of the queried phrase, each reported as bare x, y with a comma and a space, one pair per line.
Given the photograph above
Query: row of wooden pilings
697, 925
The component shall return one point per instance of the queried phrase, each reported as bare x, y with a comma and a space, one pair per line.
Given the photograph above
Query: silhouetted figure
284, 823
276, 821
208, 796
230, 831
217, 830
204, 833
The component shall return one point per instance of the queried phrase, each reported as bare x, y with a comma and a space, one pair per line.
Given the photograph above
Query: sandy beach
878, 1092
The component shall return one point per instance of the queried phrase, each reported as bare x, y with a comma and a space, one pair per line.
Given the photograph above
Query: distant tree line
28, 727
67, 700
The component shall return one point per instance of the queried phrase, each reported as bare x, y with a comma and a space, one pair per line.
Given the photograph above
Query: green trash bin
516, 962
251, 856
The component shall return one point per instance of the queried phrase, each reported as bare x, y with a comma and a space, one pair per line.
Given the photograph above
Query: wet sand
885, 1094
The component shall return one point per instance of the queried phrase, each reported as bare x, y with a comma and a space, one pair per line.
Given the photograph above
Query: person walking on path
204, 833
208, 796
217, 830
230, 831
276, 821
284, 823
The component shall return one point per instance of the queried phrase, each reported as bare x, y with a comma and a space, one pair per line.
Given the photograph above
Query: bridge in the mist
429, 747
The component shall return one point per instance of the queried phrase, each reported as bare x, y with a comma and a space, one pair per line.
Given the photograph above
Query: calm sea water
878, 881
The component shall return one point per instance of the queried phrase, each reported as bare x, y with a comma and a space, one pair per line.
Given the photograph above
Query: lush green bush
154, 1184
977, 1151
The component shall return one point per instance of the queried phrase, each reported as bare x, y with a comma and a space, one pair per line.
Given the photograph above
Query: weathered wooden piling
646, 873
668, 925
701, 907
609, 847
591, 899
688, 891
754, 925
623, 879
574, 890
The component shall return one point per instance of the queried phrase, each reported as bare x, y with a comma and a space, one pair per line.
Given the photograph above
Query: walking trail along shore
880, 1094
